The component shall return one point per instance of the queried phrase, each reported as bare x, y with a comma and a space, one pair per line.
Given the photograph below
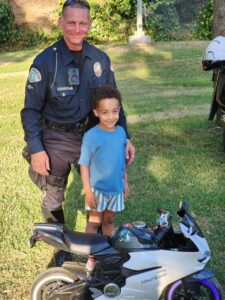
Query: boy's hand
130, 152
91, 200
126, 190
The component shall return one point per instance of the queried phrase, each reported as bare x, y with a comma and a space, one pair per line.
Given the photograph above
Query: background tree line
115, 20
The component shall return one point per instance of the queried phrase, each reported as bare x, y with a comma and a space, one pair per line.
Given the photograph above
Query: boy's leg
108, 222
115, 203
94, 221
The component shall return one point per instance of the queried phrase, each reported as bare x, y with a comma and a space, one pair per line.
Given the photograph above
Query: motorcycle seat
85, 243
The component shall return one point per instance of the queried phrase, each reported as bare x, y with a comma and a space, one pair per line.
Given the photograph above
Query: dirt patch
171, 114
41, 13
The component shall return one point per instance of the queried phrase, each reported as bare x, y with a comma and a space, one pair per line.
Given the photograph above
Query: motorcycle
137, 262
215, 60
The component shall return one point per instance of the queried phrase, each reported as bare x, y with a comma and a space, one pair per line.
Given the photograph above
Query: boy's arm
90, 198
126, 188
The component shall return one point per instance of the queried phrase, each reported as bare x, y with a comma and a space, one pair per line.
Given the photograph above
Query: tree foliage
111, 21
178, 19
204, 24
162, 19
115, 20
6, 21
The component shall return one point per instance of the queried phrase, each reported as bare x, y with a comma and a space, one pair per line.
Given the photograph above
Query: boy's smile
108, 113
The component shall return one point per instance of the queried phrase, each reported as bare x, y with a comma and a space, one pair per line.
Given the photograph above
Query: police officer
57, 106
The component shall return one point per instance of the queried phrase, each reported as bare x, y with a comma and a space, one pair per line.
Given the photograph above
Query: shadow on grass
74, 207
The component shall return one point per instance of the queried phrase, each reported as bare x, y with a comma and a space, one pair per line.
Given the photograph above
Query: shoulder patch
34, 75
98, 69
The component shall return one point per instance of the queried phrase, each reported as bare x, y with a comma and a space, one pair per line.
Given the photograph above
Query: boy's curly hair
103, 92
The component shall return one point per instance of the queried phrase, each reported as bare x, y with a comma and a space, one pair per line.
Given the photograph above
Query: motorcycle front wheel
48, 281
209, 289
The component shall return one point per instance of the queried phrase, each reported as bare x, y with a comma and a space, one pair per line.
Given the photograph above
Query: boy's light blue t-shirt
104, 152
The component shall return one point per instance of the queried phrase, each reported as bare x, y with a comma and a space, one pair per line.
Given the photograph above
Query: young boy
103, 162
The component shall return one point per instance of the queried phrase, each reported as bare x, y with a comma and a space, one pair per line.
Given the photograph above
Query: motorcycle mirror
161, 210
183, 209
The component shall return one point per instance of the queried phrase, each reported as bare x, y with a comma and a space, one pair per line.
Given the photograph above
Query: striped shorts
108, 202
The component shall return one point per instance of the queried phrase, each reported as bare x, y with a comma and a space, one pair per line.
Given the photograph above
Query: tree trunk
218, 18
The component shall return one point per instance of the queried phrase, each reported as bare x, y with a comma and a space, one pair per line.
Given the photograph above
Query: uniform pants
63, 149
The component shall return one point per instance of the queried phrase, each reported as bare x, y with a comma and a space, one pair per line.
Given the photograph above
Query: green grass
179, 155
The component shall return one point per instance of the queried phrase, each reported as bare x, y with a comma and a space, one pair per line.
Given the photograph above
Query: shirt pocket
63, 95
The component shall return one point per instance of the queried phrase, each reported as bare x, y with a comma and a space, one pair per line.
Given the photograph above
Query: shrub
162, 20
6, 21
24, 37
179, 19
112, 21
204, 24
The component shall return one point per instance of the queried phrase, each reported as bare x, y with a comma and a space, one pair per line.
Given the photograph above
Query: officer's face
108, 113
75, 23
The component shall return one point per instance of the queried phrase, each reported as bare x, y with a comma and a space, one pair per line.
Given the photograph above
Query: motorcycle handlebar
33, 239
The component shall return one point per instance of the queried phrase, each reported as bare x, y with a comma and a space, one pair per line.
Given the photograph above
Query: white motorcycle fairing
137, 262
163, 267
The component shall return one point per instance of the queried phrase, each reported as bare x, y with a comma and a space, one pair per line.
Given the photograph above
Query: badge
111, 68
98, 69
34, 75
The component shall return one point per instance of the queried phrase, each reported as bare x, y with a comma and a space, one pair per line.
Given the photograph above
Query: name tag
64, 88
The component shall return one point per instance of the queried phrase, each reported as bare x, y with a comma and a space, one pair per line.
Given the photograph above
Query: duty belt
76, 127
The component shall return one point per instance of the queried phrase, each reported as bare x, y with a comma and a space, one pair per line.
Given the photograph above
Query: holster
51, 183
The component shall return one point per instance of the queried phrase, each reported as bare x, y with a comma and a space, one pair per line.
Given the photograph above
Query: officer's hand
40, 163
130, 152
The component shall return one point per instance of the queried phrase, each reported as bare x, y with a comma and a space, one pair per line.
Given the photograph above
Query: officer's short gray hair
76, 3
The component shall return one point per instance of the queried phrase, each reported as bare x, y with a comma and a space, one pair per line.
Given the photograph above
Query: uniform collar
68, 56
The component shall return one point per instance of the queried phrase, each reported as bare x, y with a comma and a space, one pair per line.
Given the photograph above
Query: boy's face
108, 113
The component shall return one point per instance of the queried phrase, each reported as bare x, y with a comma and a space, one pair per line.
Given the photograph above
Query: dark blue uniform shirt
53, 94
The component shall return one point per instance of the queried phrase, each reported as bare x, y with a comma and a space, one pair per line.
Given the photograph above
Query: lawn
179, 155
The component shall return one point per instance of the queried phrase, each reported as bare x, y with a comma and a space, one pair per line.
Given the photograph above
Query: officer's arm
122, 118
35, 93
130, 150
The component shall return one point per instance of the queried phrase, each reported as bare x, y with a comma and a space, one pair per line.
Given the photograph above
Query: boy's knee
109, 219
94, 225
